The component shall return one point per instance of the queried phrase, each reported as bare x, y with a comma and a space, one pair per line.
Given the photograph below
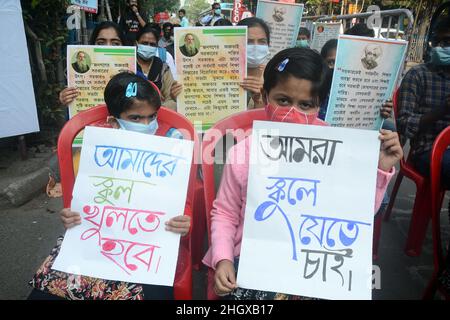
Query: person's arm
167, 82
206, 19
409, 119
430, 118
141, 20
386, 109
171, 63
225, 214
390, 154
70, 218
68, 95
383, 179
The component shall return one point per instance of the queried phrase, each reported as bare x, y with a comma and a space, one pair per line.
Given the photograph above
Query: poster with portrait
283, 20
18, 112
124, 193
324, 32
211, 63
308, 223
89, 69
365, 76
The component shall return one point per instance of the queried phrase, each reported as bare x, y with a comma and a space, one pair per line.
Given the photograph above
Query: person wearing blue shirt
183, 20
216, 14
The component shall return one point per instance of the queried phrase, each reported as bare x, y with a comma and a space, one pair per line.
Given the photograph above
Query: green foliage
194, 8
161, 6
45, 18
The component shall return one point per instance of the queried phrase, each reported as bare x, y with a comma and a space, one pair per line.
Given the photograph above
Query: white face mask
139, 127
256, 55
146, 52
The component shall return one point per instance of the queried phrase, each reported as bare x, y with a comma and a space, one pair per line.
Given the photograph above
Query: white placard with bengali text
310, 211
365, 76
284, 21
128, 185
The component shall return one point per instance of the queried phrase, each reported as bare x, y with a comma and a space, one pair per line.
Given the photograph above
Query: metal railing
348, 19
387, 27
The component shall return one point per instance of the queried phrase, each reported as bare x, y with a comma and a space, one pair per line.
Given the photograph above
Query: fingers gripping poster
124, 192
310, 210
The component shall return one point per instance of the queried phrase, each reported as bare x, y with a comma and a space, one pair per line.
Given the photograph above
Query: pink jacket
227, 215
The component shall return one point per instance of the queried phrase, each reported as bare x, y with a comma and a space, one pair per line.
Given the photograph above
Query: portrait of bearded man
81, 65
371, 54
189, 48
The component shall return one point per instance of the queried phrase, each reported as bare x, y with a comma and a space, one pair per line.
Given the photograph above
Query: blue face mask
139, 127
217, 12
440, 56
146, 53
256, 55
302, 44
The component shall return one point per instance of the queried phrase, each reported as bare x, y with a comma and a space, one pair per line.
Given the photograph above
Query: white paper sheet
128, 185
310, 196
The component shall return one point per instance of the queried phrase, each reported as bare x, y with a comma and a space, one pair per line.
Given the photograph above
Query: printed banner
86, 5
284, 21
365, 76
324, 32
89, 68
310, 210
211, 63
124, 192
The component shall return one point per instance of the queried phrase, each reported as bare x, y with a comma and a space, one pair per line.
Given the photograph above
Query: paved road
28, 233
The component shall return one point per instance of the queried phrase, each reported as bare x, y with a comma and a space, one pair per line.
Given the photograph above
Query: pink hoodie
227, 215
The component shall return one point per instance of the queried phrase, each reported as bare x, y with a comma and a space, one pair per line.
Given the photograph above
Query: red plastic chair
239, 126
96, 116
420, 214
437, 194
199, 229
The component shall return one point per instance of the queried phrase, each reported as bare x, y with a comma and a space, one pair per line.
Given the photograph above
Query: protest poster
89, 69
283, 20
324, 32
310, 210
124, 192
211, 63
18, 112
90, 6
365, 76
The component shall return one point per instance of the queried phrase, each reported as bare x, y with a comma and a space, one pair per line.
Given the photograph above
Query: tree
194, 8
46, 35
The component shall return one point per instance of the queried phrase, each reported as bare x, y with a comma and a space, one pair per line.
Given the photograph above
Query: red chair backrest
97, 116
93, 116
440, 145
395, 103
239, 126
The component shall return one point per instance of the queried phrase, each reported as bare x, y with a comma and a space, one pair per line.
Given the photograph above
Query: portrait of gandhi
278, 14
371, 53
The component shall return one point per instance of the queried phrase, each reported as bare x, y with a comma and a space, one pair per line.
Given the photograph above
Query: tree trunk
38, 51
